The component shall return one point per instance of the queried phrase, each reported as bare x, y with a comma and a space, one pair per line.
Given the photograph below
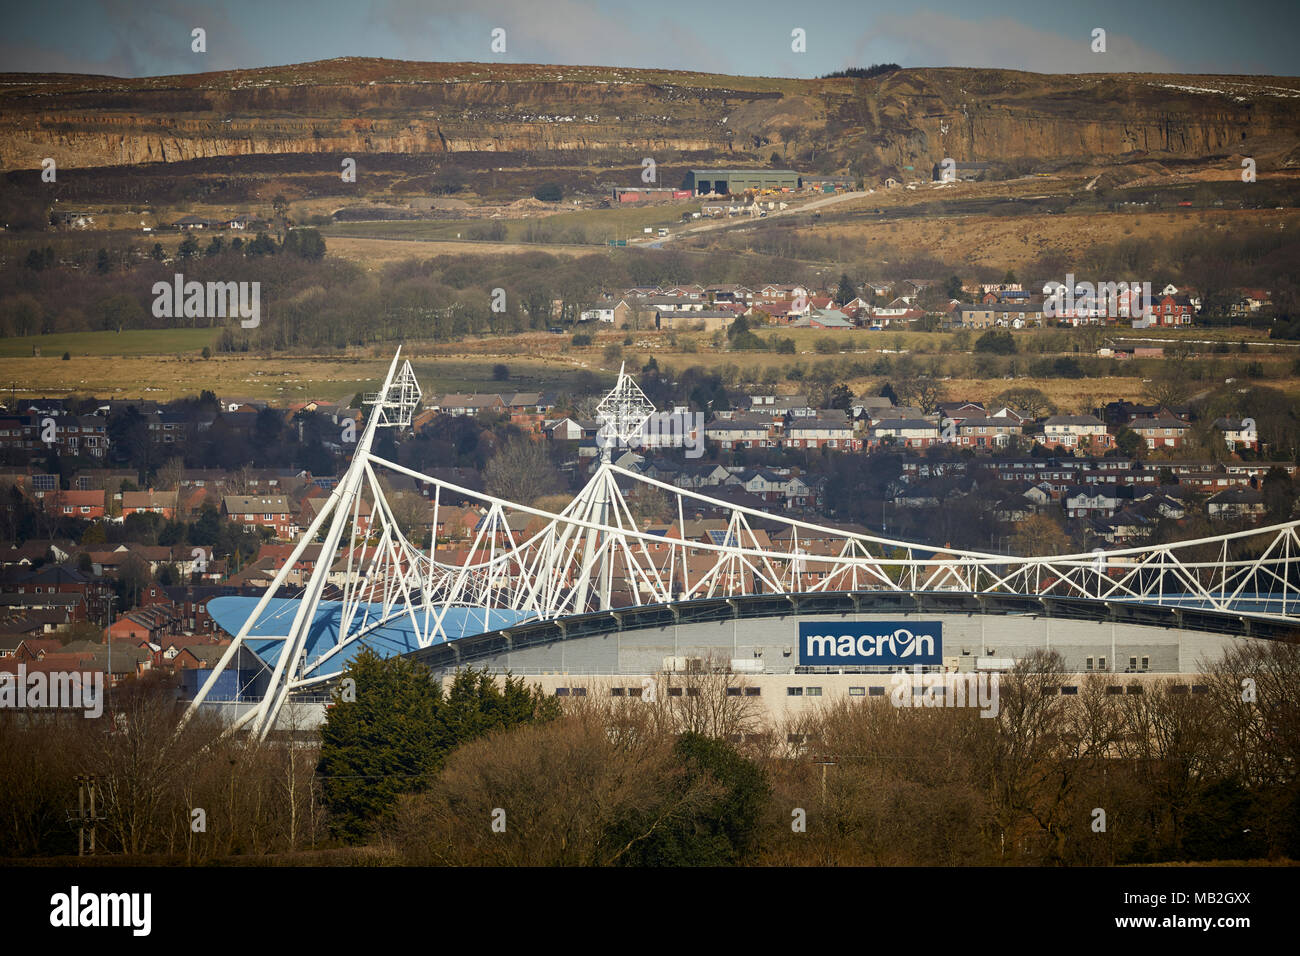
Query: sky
748, 37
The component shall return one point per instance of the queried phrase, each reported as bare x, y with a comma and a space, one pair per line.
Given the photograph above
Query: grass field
374, 254
130, 342
282, 378
164, 365
1005, 242
597, 225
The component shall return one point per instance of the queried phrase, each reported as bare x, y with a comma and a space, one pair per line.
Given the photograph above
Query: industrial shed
702, 182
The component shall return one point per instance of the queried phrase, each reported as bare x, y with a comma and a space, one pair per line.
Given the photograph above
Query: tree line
472, 770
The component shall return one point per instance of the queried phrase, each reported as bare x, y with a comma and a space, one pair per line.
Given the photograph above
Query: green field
470, 375
130, 342
598, 226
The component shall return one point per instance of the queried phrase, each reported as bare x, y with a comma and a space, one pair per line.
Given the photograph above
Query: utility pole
87, 815
108, 636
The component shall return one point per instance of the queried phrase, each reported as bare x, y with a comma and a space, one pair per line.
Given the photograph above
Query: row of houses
1165, 311
527, 410
688, 313
68, 434
1121, 519
44, 425
138, 648
1001, 304
282, 514
1059, 474
787, 422
237, 223
994, 305
770, 421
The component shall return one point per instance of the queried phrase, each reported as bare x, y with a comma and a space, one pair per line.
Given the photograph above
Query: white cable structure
523, 563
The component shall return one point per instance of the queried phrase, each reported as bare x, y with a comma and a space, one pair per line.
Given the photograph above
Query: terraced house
1160, 431
68, 434
903, 433
154, 502
261, 511
821, 432
742, 432
1237, 434
1076, 432
982, 432
75, 504
459, 404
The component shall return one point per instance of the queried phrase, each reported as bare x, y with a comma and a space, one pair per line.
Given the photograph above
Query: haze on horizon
122, 38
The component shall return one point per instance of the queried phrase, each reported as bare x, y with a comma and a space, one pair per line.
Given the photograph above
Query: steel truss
596, 555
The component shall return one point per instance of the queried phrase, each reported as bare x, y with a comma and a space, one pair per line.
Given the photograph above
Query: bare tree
1039, 535
1029, 401
141, 763
922, 392
551, 794
1172, 385
521, 470
239, 481
168, 477
411, 511
709, 699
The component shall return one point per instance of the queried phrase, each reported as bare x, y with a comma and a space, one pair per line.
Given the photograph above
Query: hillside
605, 116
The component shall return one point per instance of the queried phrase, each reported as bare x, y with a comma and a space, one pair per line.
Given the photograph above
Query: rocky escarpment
913, 117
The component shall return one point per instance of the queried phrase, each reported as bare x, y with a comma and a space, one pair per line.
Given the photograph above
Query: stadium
586, 601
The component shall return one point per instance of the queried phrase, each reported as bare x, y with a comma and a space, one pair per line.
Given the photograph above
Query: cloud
934, 39
573, 32
564, 31
121, 38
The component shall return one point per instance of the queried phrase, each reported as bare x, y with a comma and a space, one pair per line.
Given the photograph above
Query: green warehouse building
731, 181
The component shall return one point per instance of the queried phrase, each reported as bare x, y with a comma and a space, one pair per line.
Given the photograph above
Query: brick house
152, 502
1237, 434
903, 433
311, 507
1172, 310
152, 624
746, 432
88, 505
1235, 503
1089, 501
1075, 432
1160, 431
981, 432
261, 511
821, 432
459, 404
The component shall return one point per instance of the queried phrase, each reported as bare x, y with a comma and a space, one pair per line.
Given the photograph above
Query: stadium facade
586, 600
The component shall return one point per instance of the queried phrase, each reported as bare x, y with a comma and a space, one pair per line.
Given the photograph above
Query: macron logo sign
877, 643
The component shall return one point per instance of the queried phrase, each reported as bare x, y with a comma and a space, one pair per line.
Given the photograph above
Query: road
1260, 342
658, 241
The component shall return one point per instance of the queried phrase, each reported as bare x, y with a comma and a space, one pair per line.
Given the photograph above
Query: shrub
997, 343
1067, 368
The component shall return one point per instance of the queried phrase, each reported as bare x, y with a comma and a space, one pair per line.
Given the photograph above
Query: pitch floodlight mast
567, 563
622, 414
